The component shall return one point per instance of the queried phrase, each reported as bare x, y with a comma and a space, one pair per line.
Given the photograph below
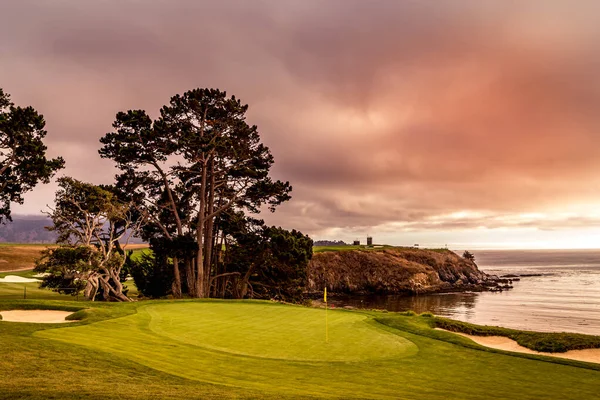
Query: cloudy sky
469, 123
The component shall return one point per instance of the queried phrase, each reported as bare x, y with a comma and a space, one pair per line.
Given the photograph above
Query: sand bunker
506, 344
17, 279
36, 316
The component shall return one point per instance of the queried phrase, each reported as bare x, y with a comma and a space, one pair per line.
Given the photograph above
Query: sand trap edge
36, 316
507, 344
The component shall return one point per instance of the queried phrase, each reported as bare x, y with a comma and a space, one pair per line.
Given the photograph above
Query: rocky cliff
396, 271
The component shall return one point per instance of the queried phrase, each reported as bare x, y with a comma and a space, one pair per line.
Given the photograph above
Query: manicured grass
34, 368
210, 324
22, 256
538, 341
139, 252
30, 290
18, 291
250, 349
18, 259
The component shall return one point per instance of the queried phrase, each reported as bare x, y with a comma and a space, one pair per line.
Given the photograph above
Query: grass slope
34, 368
22, 256
14, 256
30, 290
18, 259
204, 349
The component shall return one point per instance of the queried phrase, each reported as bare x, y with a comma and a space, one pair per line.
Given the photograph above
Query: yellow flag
325, 295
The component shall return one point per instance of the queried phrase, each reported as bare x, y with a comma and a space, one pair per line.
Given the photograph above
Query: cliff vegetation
392, 270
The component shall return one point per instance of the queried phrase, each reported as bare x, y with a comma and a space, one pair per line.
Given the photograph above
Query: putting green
272, 331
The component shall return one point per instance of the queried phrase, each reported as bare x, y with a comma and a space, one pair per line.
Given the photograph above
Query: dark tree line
262, 261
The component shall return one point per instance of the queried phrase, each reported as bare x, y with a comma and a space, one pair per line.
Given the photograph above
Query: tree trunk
200, 228
116, 292
225, 261
209, 236
225, 275
176, 287
243, 290
91, 288
190, 276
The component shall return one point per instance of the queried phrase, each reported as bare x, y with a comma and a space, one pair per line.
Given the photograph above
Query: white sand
17, 279
506, 344
37, 316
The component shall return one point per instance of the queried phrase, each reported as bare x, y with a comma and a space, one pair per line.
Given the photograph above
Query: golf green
265, 330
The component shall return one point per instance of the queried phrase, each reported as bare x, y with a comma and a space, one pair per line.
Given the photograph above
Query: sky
472, 124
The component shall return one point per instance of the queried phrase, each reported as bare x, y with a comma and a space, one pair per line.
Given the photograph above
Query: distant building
369, 241
356, 243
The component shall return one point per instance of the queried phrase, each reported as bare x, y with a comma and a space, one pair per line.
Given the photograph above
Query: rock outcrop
397, 271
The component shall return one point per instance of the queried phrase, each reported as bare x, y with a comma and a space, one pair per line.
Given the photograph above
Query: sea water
563, 296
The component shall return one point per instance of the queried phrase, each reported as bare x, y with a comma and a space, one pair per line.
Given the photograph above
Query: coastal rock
396, 271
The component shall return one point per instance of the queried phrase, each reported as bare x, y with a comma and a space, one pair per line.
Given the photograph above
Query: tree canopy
23, 162
90, 221
199, 159
189, 183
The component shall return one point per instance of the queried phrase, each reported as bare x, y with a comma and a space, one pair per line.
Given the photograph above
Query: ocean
564, 296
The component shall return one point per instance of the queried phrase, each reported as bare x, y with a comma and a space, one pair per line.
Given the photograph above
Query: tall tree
90, 221
199, 159
23, 162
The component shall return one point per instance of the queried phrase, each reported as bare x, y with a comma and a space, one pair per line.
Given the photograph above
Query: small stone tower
369, 241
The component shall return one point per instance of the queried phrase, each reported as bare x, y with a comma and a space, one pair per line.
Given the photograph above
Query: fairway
30, 290
279, 350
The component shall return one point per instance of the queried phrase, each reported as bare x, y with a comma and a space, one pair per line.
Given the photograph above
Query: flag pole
326, 321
